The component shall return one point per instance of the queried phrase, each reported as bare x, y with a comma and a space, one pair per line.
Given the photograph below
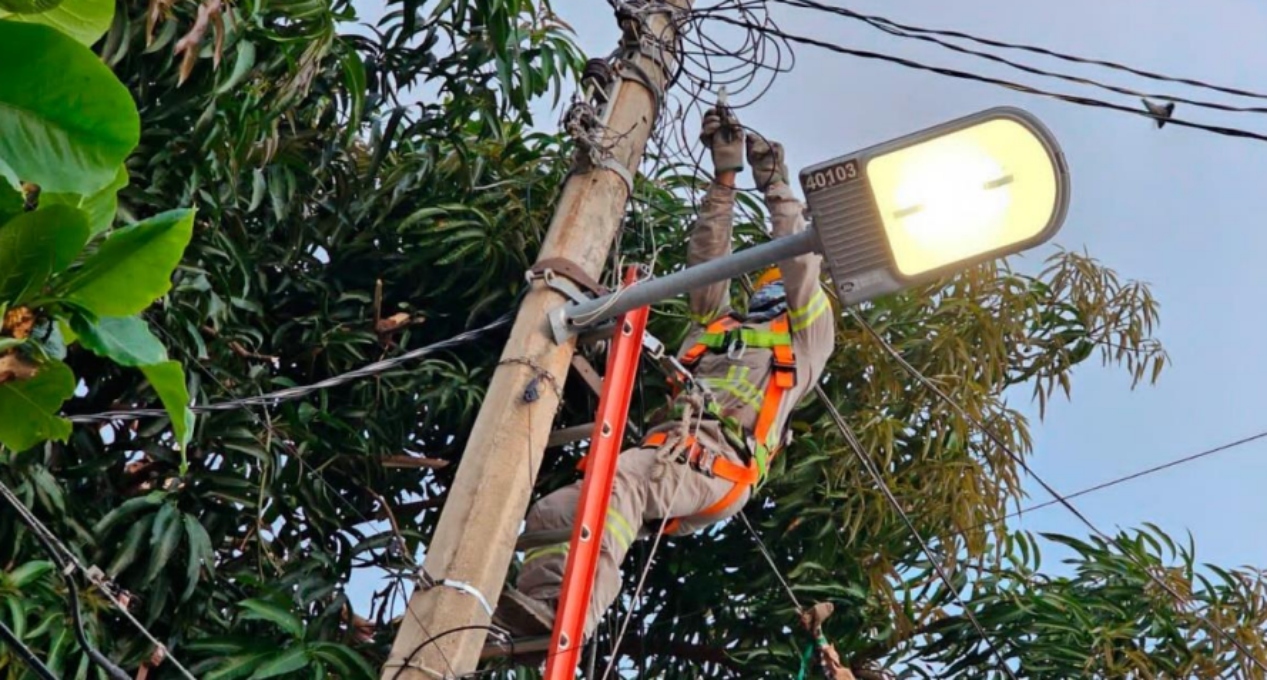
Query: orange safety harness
719, 336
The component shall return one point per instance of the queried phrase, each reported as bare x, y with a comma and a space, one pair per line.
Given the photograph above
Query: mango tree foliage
342, 220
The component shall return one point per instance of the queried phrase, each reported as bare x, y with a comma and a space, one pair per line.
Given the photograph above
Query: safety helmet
769, 299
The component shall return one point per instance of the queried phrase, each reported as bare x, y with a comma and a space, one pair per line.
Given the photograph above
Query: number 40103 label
832, 175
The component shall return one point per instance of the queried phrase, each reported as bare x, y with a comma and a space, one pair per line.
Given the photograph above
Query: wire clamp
427, 583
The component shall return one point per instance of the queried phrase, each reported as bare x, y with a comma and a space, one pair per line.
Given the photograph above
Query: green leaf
133, 267
168, 380
27, 574
267, 611
235, 667
101, 207
66, 122
351, 665
36, 245
291, 660
199, 551
28, 6
126, 509
29, 407
164, 538
127, 340
84, 20
131, 548
12, 202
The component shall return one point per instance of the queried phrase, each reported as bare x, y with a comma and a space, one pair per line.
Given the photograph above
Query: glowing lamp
916, 208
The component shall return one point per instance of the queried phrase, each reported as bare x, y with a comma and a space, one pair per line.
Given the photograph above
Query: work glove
766, 159
723, 135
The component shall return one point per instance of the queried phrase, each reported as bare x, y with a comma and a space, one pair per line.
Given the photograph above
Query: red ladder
596, 489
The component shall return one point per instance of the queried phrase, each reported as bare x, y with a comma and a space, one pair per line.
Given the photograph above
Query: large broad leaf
84, 20
66, 122
127, 340
27, 407
11, 201
133, 267
27, 6
168, 380
36, 245
100, 207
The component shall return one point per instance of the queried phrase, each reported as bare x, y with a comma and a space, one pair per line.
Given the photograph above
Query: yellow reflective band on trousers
736, 384
619, 528
546, 551
802, 317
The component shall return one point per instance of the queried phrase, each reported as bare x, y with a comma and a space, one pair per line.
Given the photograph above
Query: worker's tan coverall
643, 494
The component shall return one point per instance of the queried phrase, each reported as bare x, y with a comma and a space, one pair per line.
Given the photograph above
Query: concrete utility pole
467, 560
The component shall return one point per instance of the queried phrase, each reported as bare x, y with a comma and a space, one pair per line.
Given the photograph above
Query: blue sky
1177, 208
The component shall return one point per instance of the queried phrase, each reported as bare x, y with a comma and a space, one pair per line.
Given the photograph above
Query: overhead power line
1003, 446
1143, 473
1032, 49
861, 452
292, 393
1019, 87
924, 36
23, 652
67, 563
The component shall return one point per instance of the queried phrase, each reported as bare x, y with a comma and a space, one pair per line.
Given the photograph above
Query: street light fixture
896, 214
928, 204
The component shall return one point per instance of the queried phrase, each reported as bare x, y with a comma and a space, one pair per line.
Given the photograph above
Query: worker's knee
554, 510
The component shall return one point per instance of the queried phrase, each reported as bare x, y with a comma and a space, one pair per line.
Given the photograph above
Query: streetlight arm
570, 318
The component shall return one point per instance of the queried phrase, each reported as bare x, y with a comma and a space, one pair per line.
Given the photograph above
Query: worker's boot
523, 616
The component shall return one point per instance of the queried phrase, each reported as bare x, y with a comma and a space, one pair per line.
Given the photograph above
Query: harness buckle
736, 349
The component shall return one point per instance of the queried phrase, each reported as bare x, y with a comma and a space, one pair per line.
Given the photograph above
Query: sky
1180, 209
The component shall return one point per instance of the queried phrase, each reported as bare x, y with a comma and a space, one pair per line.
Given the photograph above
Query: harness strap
782, 379
741, 476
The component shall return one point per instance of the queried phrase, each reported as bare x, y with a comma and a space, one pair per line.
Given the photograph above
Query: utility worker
700, 466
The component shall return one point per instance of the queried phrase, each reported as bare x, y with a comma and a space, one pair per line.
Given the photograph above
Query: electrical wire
769, 558
292, 393
860, 451
1018, 87
68, 564
1141, 473
25, 654
1020, 461
891, 29
1032, 49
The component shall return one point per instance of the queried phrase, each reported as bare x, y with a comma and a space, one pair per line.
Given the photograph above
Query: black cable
903, 33
72, 589
301, 391
28, 657
1020, 461
1033, 49
1141, 473
860, 451
963, 75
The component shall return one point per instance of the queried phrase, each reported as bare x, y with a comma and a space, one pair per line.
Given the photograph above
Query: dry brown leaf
18, 323
158, 9
14, 367
188, 45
